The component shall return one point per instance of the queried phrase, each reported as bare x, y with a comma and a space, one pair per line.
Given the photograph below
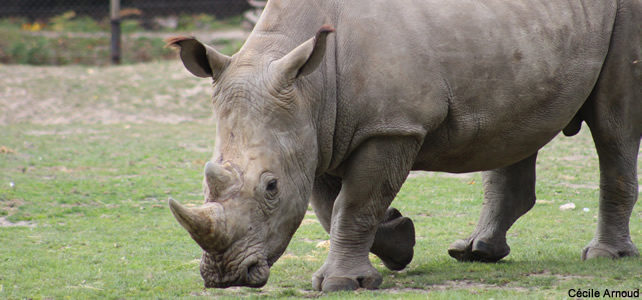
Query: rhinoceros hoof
478, 250
331, 279
394, 241
596, 249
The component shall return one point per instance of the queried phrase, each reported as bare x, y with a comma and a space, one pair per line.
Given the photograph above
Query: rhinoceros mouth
253, 271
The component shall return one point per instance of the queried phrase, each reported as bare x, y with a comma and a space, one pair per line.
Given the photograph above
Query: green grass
94, 190
132, 22
20, 47
71, 39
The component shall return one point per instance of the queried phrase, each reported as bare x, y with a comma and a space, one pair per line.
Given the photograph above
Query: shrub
82, 40
70, 22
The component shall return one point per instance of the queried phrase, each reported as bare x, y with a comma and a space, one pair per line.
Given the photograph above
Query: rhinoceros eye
271, 189
271, 186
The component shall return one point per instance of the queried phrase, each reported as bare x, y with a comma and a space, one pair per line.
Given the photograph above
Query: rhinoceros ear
305, 58
200, 59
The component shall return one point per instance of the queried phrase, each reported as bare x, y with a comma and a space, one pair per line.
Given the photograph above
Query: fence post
115, 31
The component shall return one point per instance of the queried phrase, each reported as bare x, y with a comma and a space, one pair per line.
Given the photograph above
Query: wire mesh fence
44, 9
252, 16
78, 31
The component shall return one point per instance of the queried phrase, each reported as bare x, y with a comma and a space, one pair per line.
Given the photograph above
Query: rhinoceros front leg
509, 193
371, 178
395, 237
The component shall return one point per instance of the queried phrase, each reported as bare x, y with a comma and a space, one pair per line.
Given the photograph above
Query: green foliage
205, 22
28, 50
60, 50
24, 48
69, 22
228, 47
130, 26
71, 39
95, 197
13, 22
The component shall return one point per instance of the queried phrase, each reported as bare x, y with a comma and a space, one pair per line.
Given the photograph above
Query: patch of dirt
458, 285
266, 292
6, 223
323, 245
6, 150
196, 148
580, 186
310, 241
11, 205
206, 36
72, 131
575, 158
559, 277
473, 287
304, 257
309, 221
156, 92
415, 174
77, 204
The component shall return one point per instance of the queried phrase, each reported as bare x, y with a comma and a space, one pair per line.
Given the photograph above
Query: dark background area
43, 9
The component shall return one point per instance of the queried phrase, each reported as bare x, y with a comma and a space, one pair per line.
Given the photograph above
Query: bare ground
158, 92
6, 223
231, 34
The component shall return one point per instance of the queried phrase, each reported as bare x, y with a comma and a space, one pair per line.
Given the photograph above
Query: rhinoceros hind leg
509, 193
614, 115
595, 250
394, 240
617, 149
618, 194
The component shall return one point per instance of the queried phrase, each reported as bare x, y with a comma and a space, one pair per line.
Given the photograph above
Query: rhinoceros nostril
252, 269
257, 274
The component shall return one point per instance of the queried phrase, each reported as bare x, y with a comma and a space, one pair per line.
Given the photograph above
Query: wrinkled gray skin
457, 86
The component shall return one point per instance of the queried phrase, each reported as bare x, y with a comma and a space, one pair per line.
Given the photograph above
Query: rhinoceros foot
596, 249
474, 249
334, 277
394, 240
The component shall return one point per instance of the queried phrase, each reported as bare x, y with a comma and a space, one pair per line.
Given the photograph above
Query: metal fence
44, 9
252, 16
82, 31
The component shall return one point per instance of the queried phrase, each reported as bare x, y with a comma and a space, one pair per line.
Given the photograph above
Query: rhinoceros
332, 103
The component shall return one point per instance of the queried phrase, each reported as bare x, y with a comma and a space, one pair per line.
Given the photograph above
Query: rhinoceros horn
218, 178
204, 223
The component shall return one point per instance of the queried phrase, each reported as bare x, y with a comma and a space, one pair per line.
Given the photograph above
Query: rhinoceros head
260, 177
